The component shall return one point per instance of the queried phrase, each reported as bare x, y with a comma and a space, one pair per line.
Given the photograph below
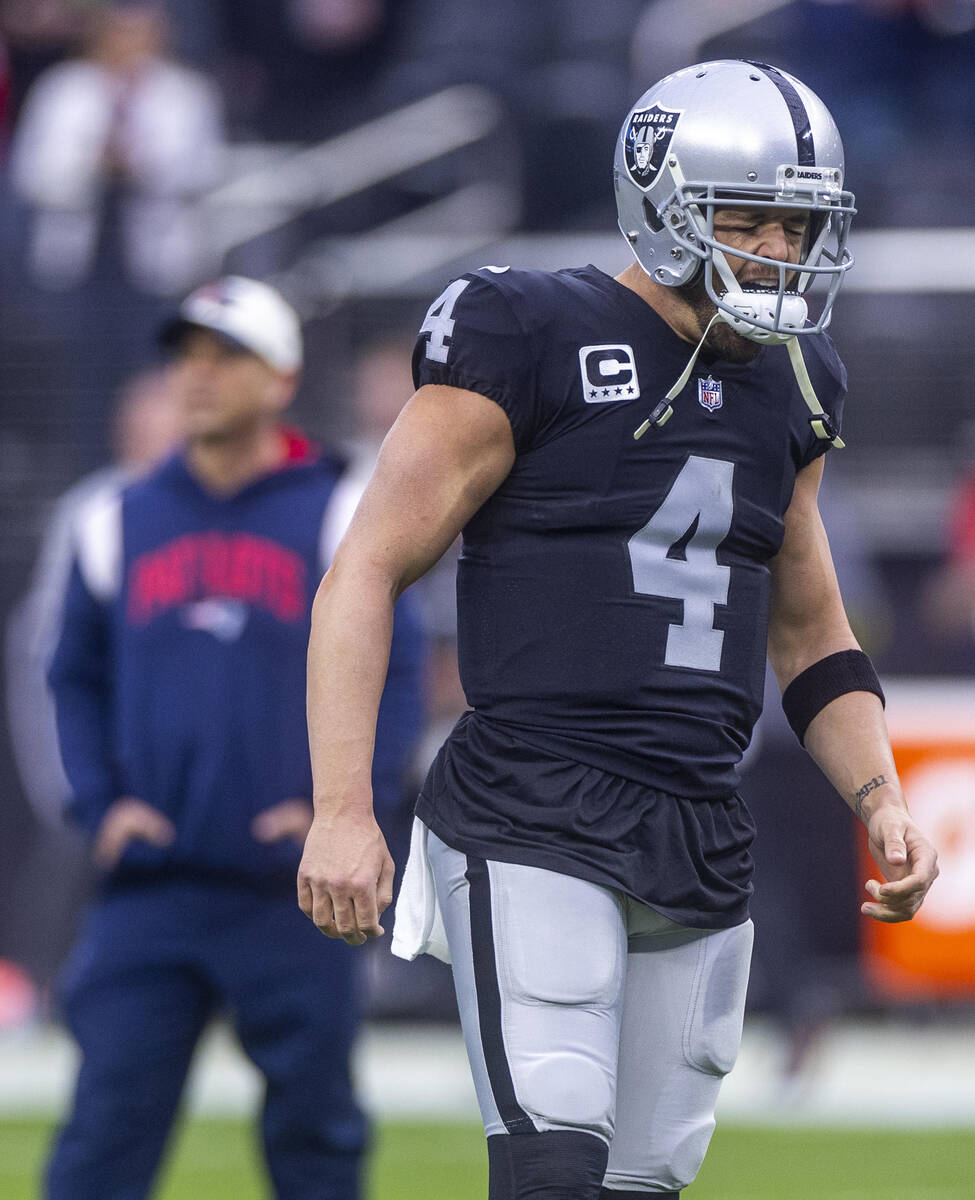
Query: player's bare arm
448, 451
848, 737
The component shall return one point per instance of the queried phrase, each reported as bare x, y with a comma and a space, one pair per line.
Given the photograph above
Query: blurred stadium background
357, 154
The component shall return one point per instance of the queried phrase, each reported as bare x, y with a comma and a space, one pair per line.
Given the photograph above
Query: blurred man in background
112, 150
121, 140
179, 681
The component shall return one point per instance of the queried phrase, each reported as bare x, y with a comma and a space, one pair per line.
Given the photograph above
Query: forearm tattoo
870, 786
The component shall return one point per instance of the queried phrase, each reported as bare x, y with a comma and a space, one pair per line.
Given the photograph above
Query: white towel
418, 926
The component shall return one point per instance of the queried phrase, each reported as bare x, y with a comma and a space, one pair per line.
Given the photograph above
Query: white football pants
585, 1010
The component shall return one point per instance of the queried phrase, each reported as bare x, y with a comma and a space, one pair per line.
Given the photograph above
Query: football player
634, 463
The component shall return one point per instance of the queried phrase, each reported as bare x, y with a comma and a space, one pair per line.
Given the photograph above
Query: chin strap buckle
821, 422
824, 427
664, 410
658, 418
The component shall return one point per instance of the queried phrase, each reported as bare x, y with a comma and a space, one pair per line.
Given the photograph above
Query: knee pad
712, 1033
556, 1165
567, 1091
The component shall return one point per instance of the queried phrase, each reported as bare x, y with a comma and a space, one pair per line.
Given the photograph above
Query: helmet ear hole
654, 223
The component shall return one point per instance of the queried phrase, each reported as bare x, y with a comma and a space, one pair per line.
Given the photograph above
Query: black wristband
835, 675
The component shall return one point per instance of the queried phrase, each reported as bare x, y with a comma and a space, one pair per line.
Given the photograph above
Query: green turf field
216, 1160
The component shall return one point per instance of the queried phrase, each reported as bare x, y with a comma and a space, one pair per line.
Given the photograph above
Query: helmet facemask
762, 313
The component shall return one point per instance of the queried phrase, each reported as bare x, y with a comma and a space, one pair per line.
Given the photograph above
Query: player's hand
289, 819
345, 880
129, 819
909, 863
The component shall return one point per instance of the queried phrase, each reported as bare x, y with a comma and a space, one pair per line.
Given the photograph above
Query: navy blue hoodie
179, 676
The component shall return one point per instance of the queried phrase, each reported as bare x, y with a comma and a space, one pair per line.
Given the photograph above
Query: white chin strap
822, 426
748, 306
761, 305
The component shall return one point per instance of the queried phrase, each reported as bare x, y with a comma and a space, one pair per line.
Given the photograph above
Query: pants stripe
515, 1118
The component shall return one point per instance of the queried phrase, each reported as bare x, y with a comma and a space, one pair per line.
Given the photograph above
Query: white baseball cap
247, 313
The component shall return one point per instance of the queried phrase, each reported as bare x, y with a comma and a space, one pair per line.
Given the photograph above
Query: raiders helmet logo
648, 134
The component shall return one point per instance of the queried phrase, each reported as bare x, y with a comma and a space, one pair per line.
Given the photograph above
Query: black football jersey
613, 593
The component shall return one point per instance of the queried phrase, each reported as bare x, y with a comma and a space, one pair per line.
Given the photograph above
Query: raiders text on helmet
734, 134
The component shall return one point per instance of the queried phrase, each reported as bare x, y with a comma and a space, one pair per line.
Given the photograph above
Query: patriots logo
645, 143
224, 618
709, 394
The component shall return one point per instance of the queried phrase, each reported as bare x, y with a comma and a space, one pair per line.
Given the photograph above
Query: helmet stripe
805, 150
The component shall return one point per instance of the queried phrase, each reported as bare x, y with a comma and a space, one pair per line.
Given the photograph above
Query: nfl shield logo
709, 393
648, 134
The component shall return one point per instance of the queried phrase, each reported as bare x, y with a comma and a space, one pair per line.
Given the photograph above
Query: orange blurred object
932, 727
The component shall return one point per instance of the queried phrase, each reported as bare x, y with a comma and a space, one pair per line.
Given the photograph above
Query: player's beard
722, 341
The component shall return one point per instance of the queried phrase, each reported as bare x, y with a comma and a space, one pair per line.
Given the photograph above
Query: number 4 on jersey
675, 556
439, 323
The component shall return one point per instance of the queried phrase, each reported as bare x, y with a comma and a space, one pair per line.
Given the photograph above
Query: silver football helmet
734, 134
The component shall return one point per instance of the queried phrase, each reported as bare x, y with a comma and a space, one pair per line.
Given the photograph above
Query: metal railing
292, 181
